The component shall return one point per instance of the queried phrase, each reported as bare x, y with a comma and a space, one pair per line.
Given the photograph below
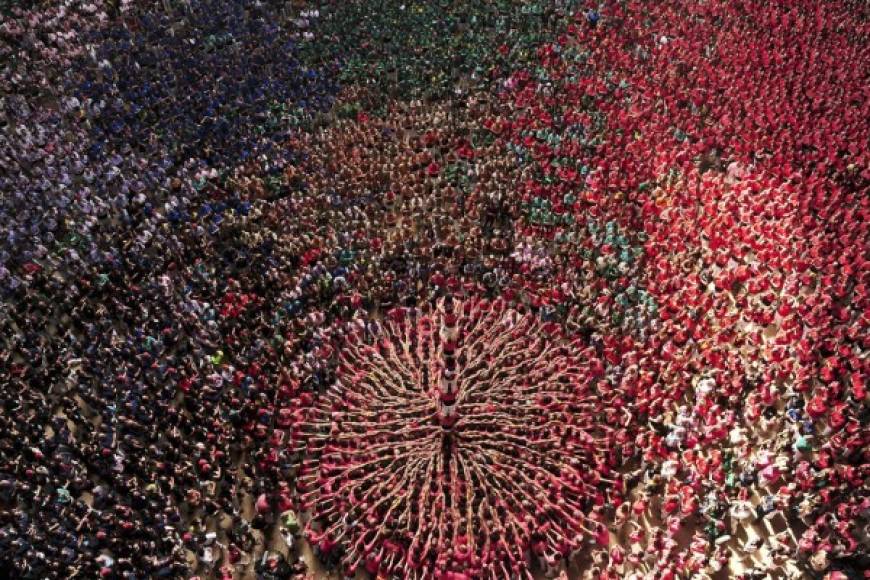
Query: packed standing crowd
218, 217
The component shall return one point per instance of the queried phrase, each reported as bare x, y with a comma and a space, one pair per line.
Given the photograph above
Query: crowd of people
456, 440
210, 212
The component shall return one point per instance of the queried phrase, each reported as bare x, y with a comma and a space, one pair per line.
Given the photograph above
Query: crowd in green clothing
426, 50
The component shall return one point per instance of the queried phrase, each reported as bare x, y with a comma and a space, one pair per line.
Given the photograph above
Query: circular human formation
456, 439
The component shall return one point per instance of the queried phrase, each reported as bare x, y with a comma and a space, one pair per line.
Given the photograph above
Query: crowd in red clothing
458, 440
735, 139
692, 197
